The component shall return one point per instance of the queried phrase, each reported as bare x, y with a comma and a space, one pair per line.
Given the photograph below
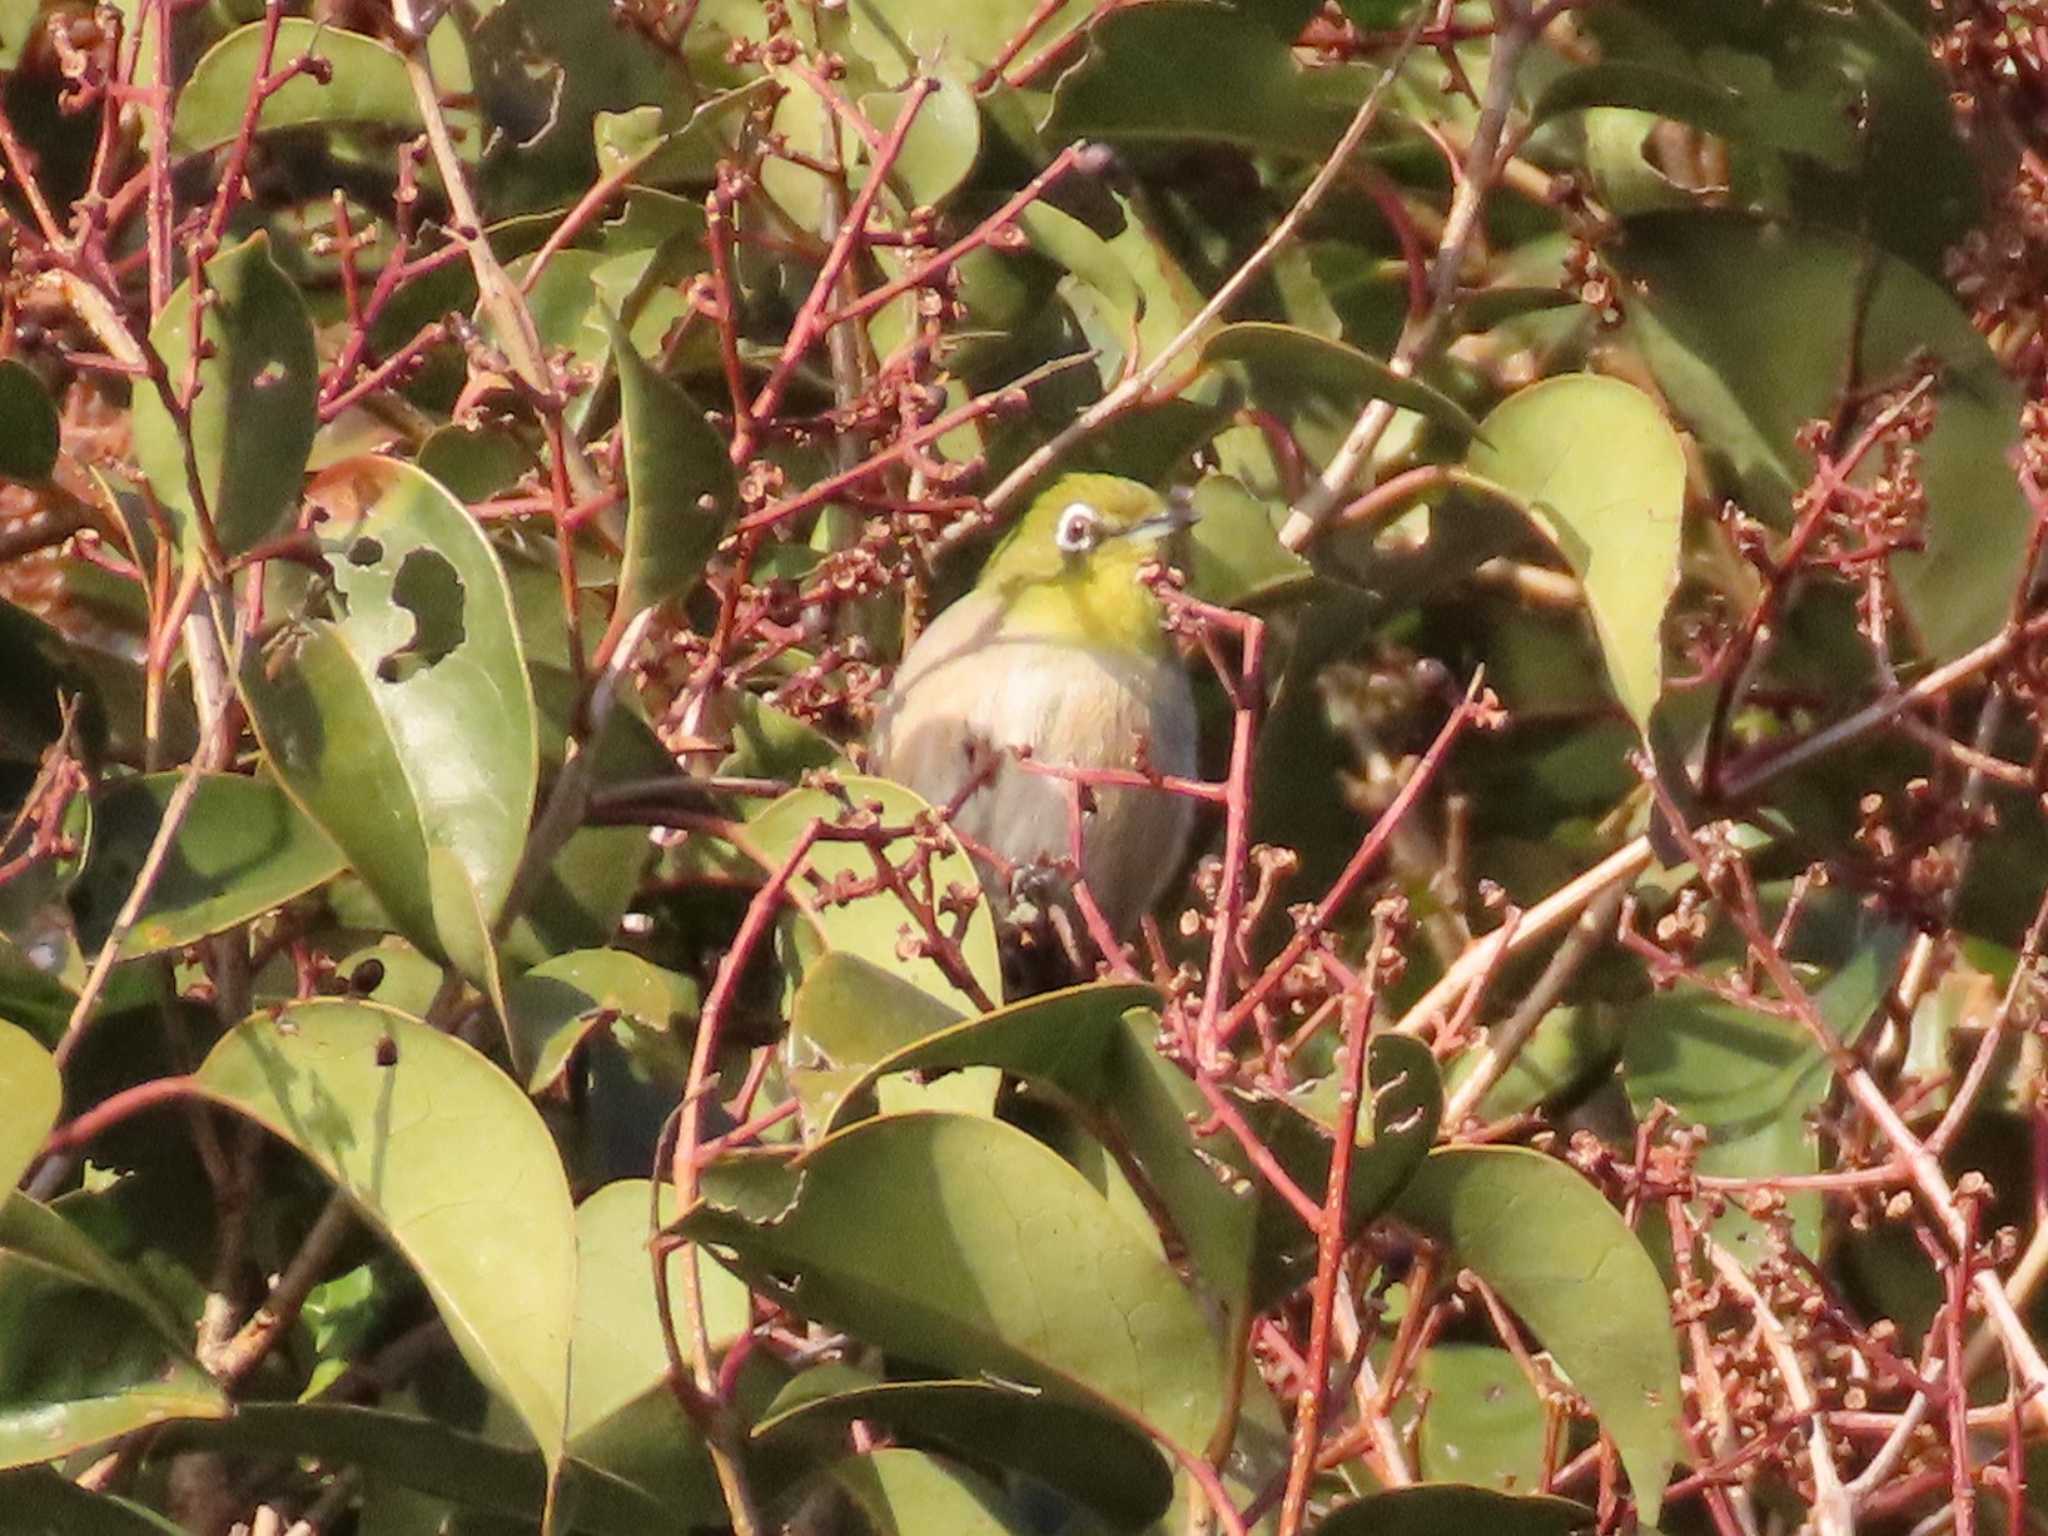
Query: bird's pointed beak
1180, 513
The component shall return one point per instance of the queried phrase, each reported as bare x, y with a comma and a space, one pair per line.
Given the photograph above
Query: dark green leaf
1594, 463
1484, 1423
1238, 559
995, 1220
445, 1155
1090, 1456
1752, 1081
29, 436
1302, 359
1557, 1253
38, 1501
1184, 72
242, 849
1749, 327
86, 1353
252, 423
405, 726
1448, 1509
679, 481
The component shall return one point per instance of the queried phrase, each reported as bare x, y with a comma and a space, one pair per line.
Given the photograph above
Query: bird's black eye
1079, 528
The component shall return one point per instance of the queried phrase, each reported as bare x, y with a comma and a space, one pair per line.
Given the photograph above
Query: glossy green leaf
443, 1153
907, 1493
871, 926
253, 420
1747, 327
367, 85
1096, 1459
86, 1353
1450, 1509
1484, 1423
849, 1014
1302, 359
405, 726
1557, 1253
561, 1002
39, 1501
1597, 467
29, 435
680, 485
1186, 72
996, 1221
243, 849
623, 1417
1752, 1081
33, 1094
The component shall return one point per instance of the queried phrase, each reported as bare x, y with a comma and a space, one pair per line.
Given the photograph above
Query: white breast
964, 679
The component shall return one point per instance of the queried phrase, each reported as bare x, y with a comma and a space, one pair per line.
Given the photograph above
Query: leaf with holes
404, 724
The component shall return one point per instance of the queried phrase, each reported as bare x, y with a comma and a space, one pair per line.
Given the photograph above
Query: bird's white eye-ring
1078, 529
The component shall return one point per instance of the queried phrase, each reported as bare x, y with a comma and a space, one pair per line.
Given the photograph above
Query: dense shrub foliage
480, 1051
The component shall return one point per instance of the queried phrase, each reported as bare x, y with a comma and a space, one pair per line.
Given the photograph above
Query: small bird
1059, 650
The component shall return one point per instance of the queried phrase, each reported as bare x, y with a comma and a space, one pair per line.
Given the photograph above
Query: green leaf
39, 1501
1484, 1423
1557, 1253
1092, 1457
769, 743
405, 726
243, 849
474, 463
432, 1457
908, 1493
1749, 326
33, 1093
940, 149
29, 436
853, 1014
680, 484
1183, 72
561, 1002
1238, 559
443, 1153
623, 1417
368, 85
1301, 359
964, 40
1594, 464
872, 926
1752, 1081
1449, 1509
253, 420
86, 1353
996, 1221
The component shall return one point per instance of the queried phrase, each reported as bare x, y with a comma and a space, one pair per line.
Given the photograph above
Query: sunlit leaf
33, 1094
1593, 461
906, 1493
1557, 1253
405, 725
1302, 359
367, 85
1449, 1509
443, 1153
561, 1002
995, 1220
252, 423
